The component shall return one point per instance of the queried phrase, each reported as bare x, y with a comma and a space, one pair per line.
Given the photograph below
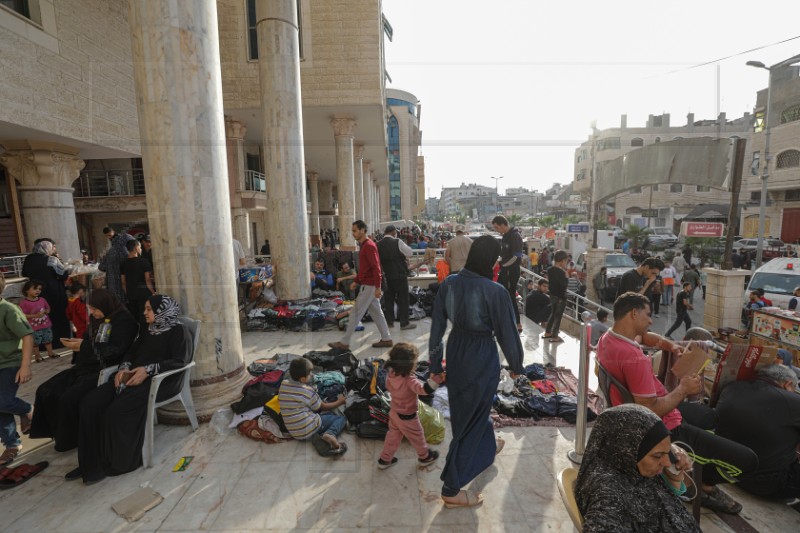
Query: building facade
406, 166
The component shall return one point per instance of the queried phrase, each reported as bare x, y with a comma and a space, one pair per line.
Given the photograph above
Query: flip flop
473, 499
499, 444
324, 448
22, 474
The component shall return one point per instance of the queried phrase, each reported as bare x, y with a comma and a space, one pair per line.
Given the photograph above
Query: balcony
104, 183
255, 181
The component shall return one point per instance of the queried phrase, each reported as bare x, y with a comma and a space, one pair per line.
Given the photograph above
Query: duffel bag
372, 429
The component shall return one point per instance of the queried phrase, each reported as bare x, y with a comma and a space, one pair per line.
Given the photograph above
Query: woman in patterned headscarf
113, 416
620, 485
43, 264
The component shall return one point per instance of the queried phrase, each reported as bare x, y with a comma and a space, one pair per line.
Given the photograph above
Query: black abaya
35, 267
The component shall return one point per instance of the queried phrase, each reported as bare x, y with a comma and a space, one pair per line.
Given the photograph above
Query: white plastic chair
185, 395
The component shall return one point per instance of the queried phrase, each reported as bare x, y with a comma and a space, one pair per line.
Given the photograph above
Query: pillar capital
358, 150
312, 175
42, 164
234, 129
343, 125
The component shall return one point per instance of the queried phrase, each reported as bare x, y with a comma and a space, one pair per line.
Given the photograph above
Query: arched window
788, 159
790, 114
658, 139
636, 141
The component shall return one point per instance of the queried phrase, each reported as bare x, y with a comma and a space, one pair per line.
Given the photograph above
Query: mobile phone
672, 469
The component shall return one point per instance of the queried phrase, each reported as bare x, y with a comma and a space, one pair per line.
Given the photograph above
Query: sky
510, 87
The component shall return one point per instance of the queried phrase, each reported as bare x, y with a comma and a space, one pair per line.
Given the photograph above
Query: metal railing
255, 181
576, 304
102, 183
11, 265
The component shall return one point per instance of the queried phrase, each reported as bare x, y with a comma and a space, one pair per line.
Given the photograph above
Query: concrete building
406, 166
672, 201
450, 195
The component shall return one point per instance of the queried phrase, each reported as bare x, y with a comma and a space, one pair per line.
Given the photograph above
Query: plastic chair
566, 486
185, 395
606, 381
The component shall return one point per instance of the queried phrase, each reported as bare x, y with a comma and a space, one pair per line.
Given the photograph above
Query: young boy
599, 326
557, 278
682, 308
16, 350
300, 404
76, 309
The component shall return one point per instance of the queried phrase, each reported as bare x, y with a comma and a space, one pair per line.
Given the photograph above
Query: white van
778, 278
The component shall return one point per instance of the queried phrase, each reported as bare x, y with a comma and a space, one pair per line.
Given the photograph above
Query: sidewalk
235, 484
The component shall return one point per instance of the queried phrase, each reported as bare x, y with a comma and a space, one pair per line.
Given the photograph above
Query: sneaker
409, 326
432, 456
383, 465
360, 327
383, 344
720, 502
556, 339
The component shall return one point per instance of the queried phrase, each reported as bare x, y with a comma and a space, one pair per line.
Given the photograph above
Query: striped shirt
299, 403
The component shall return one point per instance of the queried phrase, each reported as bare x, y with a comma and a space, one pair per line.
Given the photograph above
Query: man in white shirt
457, 250
238, 254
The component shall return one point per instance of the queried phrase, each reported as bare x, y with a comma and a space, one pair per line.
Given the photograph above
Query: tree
547, 221
514, 220
602, 224
635, 233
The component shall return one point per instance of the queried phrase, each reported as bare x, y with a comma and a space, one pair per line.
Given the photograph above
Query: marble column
284, 158
45, 172
235, 131
358, 181
177, 78
366, 183
343, 128
313, 184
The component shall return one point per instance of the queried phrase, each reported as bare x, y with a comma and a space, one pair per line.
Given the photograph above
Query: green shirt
13, 326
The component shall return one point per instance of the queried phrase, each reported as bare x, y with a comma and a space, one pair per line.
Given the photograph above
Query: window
702, 188
18, 6
636, 141
636, 190
581, 175
677, 138
658, 139
658, 120
755, 196
755, 163
252, 32
788, 159
758, 125
790, 114
792, 195
676, 187
609, 143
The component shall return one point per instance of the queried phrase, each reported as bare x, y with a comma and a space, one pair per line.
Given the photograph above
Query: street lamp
765, 174
593, 191
496, 181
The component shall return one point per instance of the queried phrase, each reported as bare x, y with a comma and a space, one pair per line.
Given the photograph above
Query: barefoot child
405, 389
37, 311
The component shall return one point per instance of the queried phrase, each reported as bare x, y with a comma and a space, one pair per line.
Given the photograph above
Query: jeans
331, 424
10, 406
666, 297
557, 306
508, 278
684, 317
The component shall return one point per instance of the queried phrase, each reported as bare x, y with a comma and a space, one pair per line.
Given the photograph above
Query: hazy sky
509, 87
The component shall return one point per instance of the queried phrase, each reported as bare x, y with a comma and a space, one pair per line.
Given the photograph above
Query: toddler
37, 311
300, 405
76, 310
405, 389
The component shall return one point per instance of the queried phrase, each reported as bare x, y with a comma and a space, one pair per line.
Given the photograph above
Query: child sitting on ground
300, 404
37, 311
405, 389
76, 310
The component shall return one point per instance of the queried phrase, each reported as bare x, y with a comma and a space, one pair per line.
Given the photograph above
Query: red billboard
702, 229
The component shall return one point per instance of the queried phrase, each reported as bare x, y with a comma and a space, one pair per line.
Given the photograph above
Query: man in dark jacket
511, 254
394, 255
537, 304
557, 278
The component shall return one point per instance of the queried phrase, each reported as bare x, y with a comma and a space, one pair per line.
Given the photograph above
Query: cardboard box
739, 363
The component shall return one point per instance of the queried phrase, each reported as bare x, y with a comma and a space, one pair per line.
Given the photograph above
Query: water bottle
221, 419
104, 332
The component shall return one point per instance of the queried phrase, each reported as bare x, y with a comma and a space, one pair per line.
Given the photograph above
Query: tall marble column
343, 128
358, 180
366, 183
284, 158
176, 71
45, 172
313, 184
235, 131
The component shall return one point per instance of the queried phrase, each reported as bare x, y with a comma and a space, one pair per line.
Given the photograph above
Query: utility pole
593, 205
496, 194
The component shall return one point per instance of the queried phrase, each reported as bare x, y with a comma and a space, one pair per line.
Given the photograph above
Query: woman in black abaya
43, 265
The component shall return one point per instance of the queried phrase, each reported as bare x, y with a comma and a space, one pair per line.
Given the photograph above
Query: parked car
778, 277
662, 237
770, 247
616, 265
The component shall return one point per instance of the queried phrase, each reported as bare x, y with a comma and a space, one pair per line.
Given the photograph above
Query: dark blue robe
480, 310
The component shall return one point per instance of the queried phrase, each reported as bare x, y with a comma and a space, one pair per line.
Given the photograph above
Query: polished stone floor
235, 484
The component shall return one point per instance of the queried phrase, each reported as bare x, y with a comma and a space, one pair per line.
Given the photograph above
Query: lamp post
593, 190
496, 195
765, 174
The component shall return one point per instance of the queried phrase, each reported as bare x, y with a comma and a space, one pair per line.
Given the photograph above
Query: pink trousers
410, 429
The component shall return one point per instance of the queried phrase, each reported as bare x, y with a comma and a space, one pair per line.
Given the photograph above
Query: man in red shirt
723, 460
369, 294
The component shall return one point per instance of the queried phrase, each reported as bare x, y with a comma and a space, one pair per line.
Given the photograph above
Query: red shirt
76, 313
369, 265
625, 360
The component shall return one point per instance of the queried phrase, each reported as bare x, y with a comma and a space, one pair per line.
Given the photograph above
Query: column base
209, 395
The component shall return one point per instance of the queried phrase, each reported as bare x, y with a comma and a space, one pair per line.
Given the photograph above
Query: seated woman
622, 484
113, 416
109, 336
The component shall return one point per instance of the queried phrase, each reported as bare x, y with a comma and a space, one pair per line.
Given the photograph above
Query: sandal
472, 499
546, 335
22, 474
9, 455
25, 422
500, 444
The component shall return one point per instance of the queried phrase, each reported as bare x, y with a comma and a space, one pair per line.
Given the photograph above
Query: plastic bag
432, 423
221, 419
506, 384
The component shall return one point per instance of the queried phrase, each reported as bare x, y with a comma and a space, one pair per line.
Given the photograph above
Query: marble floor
235, 484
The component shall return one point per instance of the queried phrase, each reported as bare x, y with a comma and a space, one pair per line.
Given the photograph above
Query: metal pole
594, 206
576, 455
762, 208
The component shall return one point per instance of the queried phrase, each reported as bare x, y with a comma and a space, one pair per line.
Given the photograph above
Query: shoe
25, 423
93, 481
390, 324
73, 474
432, 456
409, 326
383, 344
668, 337
471, 500
360, 327
556, 339
339, 345
383, 465
718, 501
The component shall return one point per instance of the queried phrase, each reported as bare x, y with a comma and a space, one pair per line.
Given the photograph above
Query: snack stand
772, 326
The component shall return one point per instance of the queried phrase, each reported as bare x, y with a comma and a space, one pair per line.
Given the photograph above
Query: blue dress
479, 310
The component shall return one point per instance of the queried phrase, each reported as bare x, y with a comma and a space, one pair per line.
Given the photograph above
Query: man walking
682, 307
394, 255
457, 250
369, 294
557, 278
510, 260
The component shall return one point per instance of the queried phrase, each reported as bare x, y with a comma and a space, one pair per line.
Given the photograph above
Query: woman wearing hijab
113, 416
110, 334
43, 265
479, 310
622, 484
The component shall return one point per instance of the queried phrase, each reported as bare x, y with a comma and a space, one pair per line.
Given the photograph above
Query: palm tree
636, 234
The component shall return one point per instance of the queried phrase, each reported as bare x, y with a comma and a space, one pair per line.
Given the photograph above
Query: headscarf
48, 249
609, 481
44, 247
166, 312
483, 255
104, 300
